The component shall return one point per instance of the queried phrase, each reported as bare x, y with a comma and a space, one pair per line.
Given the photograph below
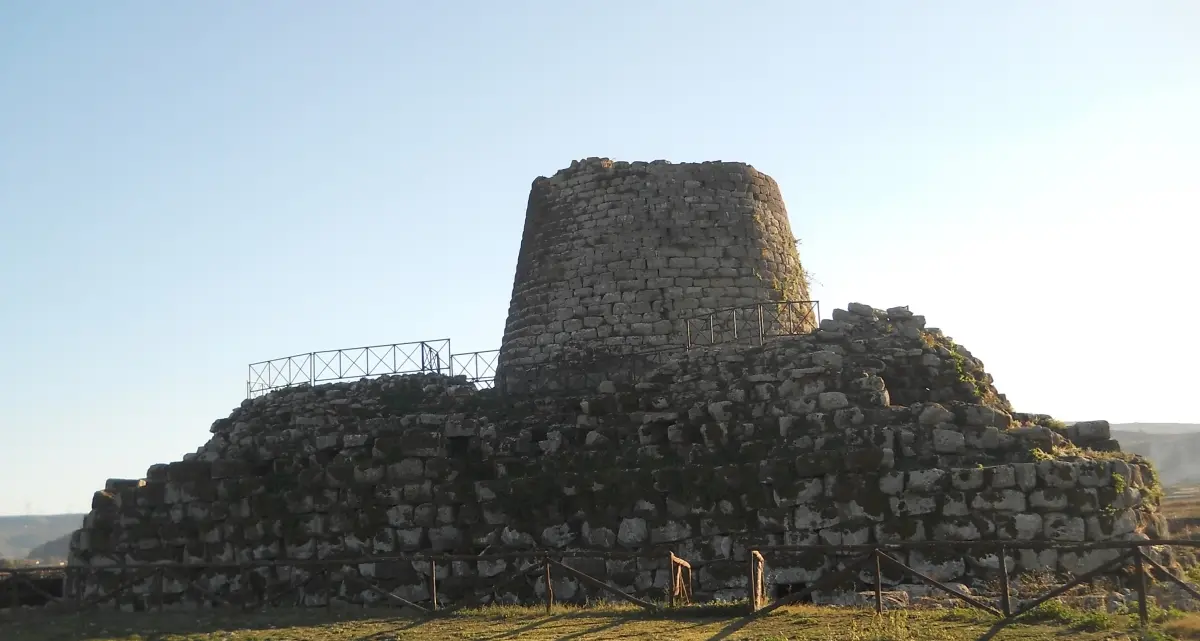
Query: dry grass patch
1183, 628
698, 623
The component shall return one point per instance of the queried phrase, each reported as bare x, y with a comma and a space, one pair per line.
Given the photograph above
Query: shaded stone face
718, 452
615, 254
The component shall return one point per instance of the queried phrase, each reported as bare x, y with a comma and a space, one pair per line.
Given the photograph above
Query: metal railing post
761, 337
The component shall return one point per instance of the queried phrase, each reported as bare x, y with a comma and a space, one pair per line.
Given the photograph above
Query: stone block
1090, 431
935, 414
1063, 527
1007, 500
1058, 474
891, 483
967, 478
633, 532
955, 503
948, 441
1026, 475
926, 481
1021, 527
956, 529
912, 504
939, 565
829, 401
1048, 500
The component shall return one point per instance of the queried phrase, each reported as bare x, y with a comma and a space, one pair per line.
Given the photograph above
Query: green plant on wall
978, 387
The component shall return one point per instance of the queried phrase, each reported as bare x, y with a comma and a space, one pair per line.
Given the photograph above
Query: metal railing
747, 324
754, 324
342, 364
478, 367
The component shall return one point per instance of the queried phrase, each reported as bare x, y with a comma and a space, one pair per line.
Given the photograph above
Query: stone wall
873, 428
614, 254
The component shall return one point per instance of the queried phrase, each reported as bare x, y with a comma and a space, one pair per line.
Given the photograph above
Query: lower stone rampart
871, 429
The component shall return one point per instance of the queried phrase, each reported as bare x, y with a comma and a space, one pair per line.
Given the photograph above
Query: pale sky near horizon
189, 187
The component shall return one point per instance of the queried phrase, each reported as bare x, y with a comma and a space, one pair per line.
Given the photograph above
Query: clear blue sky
189, 187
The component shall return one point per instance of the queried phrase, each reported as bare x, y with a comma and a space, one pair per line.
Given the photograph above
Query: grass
1182, 502
708, 623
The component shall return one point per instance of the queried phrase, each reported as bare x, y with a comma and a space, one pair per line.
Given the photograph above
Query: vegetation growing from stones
1039, 454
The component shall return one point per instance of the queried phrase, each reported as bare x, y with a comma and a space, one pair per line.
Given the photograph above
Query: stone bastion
869, 428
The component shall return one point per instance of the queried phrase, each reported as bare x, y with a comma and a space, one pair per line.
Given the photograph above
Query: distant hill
51, 551
19, 535
1157, 428
1173, 447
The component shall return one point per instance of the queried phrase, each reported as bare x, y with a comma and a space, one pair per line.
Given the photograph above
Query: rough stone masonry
871, 427
615, 256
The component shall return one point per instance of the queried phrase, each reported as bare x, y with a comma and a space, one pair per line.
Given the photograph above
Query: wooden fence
20, 586
545, 564
876, 556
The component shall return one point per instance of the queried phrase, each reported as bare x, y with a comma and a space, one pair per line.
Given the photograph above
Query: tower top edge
608, 165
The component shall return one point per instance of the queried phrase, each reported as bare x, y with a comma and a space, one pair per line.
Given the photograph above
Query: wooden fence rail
1129, 550
545, 565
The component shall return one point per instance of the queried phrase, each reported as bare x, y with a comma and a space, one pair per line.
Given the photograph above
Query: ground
603, 622
1181, 506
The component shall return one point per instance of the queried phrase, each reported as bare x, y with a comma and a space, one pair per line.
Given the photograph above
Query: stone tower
620, 257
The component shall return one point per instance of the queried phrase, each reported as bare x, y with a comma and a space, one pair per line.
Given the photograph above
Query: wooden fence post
674, 585
878, 585
1141, 587
549, 588
433, 582
1005, 594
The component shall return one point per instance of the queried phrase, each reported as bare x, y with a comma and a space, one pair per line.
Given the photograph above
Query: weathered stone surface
603, 266
862, 432
948, 441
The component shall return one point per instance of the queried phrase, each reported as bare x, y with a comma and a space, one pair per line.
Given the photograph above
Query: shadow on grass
386, 623
618, 615
154, 626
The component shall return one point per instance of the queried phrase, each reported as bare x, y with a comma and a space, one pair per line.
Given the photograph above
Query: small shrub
1049, 612
1058, 613
1093, 621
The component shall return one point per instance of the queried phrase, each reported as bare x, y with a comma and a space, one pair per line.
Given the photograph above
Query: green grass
695, 623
